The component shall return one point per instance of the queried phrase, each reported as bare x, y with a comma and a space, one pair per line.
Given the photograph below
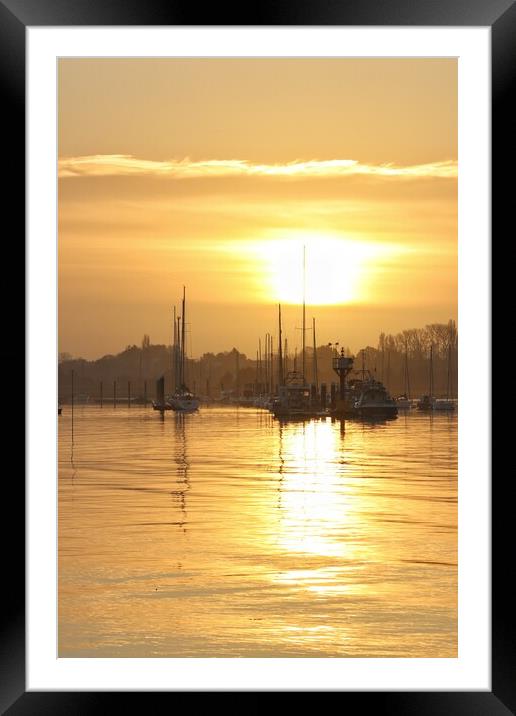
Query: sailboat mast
266, 362
431, 370
174, 349
304, 312
272, 366
315, 356
178, 354
183, 339
407, 374
448, 381
280, 354
260, 363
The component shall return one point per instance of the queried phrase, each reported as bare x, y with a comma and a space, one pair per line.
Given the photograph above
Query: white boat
403, 403
184, 401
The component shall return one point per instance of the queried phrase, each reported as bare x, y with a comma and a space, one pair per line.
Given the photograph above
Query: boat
428, 402
403, 403
425, 402
374, 401
182, 400
294, 399
364, 396
444, 404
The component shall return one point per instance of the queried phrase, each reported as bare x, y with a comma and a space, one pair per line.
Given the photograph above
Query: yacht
182, 400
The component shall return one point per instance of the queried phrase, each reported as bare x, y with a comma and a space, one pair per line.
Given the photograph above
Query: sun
323, 268
337, 269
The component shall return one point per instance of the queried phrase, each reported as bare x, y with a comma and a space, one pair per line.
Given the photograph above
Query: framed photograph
275, 489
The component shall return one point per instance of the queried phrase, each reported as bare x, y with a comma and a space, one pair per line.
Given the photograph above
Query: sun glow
338, 269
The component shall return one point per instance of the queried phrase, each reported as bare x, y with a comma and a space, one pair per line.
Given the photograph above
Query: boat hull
377, 411
160, 406
184, 405
437, 405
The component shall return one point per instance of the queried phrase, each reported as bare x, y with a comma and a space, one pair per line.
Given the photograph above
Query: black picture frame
15, 17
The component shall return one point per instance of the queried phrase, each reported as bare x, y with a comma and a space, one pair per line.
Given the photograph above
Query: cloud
103, 165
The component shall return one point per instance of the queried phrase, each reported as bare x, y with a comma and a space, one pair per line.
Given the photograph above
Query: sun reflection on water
319, 509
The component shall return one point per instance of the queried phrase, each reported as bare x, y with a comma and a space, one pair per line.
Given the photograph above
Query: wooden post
101, 394
72, 406
128, 393
145, 393
114, 394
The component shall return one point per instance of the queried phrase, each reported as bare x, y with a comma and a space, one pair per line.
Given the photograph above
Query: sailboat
429, 402
403, 402
446, 403
294, 399
182, 400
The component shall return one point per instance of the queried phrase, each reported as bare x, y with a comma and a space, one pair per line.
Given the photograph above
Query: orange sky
214, 173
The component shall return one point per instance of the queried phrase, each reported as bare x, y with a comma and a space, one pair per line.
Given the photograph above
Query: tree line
404, 362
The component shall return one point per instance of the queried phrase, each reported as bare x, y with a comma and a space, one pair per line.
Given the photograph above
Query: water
227, 534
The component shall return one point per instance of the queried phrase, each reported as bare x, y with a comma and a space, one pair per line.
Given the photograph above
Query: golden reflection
315, 510
181, 460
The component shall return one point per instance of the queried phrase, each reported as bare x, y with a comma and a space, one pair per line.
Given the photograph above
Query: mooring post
72, 406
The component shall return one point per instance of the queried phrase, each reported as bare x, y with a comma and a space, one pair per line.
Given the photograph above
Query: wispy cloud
102, 165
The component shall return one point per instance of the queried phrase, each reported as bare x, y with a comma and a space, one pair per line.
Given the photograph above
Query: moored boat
182, 400
294, 399
375, 401
429, 403
403, 403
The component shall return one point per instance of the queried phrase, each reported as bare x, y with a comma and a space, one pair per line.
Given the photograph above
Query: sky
228, 176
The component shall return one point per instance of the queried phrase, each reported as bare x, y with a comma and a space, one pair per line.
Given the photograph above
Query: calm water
225, 533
